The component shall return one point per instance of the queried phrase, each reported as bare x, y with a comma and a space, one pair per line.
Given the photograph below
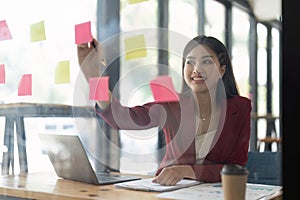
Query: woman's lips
199, 78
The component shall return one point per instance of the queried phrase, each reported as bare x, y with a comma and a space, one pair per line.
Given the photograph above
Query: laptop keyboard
105, 177
111, 177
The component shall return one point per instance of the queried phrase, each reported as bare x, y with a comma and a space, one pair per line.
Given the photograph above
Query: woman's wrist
188, 171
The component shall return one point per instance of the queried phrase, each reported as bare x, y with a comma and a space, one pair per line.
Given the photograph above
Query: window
276, 80
240, 49
40, 58
215, 19
183, 27
135, 75
262, 68
275, 71
261, 79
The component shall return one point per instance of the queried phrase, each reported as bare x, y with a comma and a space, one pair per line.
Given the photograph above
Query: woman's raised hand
91, 59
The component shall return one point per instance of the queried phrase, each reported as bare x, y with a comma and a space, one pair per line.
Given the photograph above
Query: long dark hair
228, 79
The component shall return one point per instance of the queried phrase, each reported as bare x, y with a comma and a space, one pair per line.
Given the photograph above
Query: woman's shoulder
239, 101
239, 98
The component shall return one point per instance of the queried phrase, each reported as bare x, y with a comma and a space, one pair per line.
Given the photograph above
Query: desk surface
45, 185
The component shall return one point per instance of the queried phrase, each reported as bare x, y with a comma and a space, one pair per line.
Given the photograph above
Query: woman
208, 127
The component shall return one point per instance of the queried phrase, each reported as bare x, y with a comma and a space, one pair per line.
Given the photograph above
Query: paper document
147, 185
214, 191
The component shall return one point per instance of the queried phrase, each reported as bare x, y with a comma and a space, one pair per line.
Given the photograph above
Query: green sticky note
37, 31
62, 72
135, 47
136, 1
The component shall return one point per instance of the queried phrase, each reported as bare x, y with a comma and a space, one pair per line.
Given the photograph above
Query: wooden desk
14, 114
45, 185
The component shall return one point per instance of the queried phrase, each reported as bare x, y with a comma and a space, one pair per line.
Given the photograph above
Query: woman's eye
189, 62
207, 62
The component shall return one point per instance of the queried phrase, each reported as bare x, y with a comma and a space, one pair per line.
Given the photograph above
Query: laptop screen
68, 157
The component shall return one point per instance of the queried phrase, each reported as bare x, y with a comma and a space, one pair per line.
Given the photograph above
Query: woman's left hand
173, 174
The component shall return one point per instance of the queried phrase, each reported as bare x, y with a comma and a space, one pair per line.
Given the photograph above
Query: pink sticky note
163, 89
83, 33
2, 74
99, 88
25, 85
4, 31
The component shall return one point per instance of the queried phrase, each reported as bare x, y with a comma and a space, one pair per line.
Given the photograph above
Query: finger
167, 181
154, 180
162, 178
103, 62
172, 181
83, 45
95, 42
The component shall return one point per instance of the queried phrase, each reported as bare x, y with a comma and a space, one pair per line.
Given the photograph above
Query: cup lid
234, 169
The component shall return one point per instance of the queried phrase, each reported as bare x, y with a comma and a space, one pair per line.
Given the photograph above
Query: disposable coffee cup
234, 179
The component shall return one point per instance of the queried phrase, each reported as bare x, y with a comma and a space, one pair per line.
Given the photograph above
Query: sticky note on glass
2, 74
37, 32
62, 72
25, 85
136, 1
163, 89
99, 88
83, 33
135, 47
4, 31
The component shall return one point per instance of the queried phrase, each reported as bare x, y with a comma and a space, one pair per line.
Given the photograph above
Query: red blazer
178, 121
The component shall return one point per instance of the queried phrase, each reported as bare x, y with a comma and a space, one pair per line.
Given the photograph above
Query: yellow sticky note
62, 72
135, 47
136, 1
37, 31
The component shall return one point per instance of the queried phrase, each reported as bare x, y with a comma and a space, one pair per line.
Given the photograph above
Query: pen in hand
94, 45
103, 61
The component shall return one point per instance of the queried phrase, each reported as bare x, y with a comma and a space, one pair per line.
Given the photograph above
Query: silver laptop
70, 160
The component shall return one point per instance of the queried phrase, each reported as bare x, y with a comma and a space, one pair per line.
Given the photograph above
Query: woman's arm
91, 61
141, 117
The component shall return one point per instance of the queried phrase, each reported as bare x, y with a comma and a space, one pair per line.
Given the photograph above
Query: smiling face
202, 69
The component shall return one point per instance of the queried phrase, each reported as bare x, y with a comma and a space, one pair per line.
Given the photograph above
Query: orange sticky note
135, 47
2, 74
4, 31
37, 31
83, 33
62, 72
25, 85
99, 88
163, 89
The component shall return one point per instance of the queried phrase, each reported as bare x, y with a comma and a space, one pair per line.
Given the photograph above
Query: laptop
70, 160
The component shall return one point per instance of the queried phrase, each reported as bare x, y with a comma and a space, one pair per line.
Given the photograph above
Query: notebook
146, 184
70, 160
